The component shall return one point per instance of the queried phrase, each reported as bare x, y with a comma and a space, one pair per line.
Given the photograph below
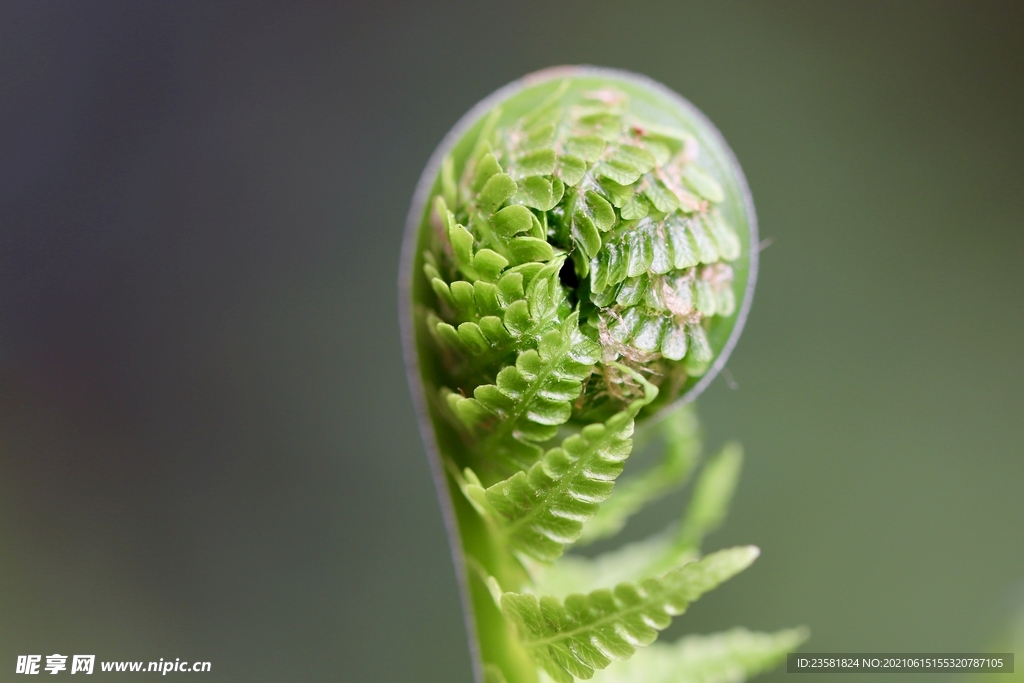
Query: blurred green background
207, 449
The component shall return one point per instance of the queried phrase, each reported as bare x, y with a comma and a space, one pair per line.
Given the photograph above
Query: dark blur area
207, 448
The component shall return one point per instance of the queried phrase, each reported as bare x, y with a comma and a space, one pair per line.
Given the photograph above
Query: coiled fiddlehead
578, 258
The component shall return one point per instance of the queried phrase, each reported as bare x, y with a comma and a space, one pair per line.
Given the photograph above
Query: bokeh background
207, 449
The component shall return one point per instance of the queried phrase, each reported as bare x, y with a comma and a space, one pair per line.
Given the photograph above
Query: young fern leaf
543, 509
711, 496
587, 632
512, 232
682, 448
530, 399
473, 263
490, 321
629, 562
671, 548
578, 258
729, 657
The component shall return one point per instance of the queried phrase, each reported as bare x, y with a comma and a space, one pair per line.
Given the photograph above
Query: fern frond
681, 454
711, 496
635, 561
575, 269
543, 509
543, 305
642, 259
513, 232
730, 657
491, 322
530, 399
662, 552
472, 262
708, 506
588, 632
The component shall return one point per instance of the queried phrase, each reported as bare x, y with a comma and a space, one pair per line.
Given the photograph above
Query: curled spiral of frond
579, 213
582, 259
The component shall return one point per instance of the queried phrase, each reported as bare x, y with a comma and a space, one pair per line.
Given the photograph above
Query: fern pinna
578, 264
